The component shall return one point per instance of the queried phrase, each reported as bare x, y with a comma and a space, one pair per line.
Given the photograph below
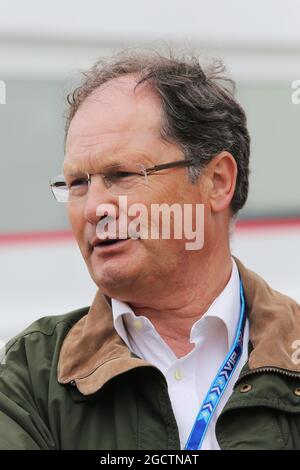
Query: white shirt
190, 376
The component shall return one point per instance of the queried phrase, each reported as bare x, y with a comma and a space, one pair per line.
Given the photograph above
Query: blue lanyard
219, 384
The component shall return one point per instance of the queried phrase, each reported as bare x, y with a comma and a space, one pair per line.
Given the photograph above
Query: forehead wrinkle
83, 153
91, 155
90, 139
104, 144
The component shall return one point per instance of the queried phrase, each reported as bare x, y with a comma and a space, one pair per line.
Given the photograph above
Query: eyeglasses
119, 179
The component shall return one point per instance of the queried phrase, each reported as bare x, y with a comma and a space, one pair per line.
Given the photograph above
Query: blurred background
44, 46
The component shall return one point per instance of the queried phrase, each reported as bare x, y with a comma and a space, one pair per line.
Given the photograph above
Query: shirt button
178, 374
138, 324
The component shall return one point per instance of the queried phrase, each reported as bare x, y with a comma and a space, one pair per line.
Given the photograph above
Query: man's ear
222, 173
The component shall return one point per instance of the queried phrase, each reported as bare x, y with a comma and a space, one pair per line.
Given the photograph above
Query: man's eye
79, 182
120, 174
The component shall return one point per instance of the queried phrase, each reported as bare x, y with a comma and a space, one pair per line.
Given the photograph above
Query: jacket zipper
259, 370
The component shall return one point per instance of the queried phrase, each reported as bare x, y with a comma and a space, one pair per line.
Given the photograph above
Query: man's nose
98, 194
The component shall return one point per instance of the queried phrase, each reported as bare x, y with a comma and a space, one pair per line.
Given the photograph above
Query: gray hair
200, 111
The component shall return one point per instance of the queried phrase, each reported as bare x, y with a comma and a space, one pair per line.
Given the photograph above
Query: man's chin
113, 278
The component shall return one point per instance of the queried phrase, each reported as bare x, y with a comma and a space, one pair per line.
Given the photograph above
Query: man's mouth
103, 244
112, 241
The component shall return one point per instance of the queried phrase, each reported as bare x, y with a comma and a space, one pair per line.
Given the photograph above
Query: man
181, 348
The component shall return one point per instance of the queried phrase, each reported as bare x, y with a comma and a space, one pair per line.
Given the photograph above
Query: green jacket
70, 382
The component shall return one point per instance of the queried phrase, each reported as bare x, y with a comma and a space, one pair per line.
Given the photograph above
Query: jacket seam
20, 338
138, 421
166, 414
285, 438
277, 404
38, 331
100, 364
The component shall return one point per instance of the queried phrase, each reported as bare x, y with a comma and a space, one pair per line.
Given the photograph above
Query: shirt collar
226, 308
119, 311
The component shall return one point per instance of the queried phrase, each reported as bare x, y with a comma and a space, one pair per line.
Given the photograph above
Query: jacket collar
93, 353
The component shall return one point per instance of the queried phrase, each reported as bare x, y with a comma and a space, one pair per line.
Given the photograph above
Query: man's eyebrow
73, 169
78, 167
